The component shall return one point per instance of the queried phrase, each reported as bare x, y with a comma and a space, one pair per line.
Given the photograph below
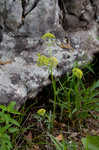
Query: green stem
69, 103
77, 101
54, 89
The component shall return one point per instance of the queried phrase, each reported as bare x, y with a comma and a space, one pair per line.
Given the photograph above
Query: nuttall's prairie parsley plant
41, 112
45, 118
51, 62
41, 116
75, 98
78, 73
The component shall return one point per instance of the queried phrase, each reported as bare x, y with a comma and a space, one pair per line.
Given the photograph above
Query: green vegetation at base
8, 125
71, 104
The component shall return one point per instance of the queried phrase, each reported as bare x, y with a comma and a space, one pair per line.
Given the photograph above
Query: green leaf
2, 117
4, 129
13, 130
4, 108
7, 118
14, 122
11, 106
95, 85
91, 142
15, 112
96, 93
5, 143
83, 115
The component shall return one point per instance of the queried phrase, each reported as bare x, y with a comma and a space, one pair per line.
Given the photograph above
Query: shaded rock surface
78, 14
23, 22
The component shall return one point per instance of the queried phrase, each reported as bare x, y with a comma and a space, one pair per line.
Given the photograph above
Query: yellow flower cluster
41, 112
47, 61
77, 72
53, 61
42, 60
48, 36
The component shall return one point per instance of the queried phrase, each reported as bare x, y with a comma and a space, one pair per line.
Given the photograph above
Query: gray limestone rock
23, 23
13, 14
81, 14
40, 18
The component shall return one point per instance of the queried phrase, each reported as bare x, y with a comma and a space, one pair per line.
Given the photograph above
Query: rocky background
23, 22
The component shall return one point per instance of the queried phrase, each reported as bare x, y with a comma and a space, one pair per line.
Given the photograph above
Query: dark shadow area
96, 64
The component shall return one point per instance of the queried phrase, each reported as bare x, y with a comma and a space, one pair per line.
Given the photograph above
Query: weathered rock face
32, 17
22, 22
41, 18
10, 13
79, 14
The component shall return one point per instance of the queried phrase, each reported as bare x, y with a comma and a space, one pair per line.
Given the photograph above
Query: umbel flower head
41, 112
48, 36
77, 72
42, 60
53, 61
47, 61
